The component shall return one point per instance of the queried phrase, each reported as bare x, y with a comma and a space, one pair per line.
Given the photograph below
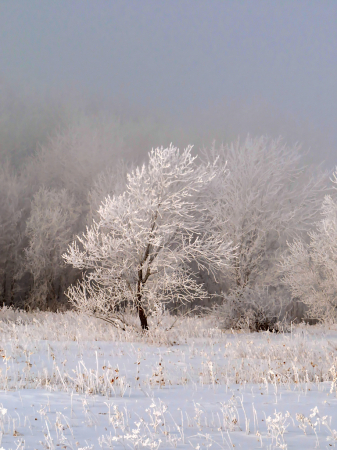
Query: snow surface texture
75, 383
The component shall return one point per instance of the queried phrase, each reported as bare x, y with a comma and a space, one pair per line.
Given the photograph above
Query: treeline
59, 162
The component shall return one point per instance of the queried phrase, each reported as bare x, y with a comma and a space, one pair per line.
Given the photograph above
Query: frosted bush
250, 309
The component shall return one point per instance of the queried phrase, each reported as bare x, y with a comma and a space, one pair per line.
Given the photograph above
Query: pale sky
247, 66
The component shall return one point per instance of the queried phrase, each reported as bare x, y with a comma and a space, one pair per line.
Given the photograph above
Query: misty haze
168, 224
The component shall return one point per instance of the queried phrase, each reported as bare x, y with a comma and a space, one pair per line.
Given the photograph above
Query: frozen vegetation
73, 382
184, 283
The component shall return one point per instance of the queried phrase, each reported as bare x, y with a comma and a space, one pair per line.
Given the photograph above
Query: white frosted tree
266, 197
74, 156
310, 270
138, 253
50, 229
11, 205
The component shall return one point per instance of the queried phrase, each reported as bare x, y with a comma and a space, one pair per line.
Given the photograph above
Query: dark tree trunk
141, 312
3, 299
142, 318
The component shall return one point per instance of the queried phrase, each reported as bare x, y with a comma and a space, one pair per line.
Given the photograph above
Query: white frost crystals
138, 254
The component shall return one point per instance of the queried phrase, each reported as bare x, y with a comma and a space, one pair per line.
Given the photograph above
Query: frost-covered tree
266, 197
49, 230
138, 253
310, 270
109, 182
74, 156
11, 204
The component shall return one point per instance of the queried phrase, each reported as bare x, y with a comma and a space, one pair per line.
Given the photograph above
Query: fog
210, 69
88, 88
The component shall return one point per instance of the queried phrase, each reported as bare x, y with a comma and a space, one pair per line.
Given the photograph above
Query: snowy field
69, 382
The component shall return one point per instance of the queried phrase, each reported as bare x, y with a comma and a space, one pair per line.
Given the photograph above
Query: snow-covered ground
75, 383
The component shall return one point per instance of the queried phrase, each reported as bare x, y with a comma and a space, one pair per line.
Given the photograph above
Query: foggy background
201, 69
87, 88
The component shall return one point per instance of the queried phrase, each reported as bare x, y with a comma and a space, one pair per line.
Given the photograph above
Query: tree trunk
141, 312
142, 318
3, 299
